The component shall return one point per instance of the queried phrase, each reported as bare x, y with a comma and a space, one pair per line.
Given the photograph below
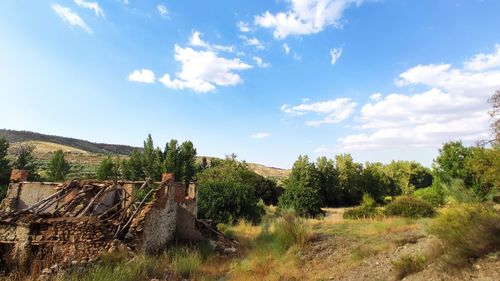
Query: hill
85, 156
102, 148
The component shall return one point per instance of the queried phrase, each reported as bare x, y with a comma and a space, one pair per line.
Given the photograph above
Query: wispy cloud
162, 10
260, 62
335, 54
334, 111
94, 6
243, 26
70, 17
252, 42
261, 135
197, 41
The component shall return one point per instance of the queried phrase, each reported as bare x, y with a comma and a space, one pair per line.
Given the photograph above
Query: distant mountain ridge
101, 148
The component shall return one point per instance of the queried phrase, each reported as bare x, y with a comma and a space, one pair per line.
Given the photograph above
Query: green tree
25, 160
227, 202
187, 154
58, 167
376, 183
151, 160
172, 162
5, 167
484, 166
302, 189
107, 170
328, 181
132, 168
451, 163
349, 176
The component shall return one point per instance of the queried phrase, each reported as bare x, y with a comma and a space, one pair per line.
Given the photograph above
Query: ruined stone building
80, 220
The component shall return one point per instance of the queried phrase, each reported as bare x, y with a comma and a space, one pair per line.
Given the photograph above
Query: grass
408, 264
467, 231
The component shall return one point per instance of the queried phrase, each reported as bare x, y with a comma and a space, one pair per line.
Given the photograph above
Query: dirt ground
353, 250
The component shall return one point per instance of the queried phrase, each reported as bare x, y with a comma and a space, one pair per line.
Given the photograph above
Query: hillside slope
89, 154
102, 148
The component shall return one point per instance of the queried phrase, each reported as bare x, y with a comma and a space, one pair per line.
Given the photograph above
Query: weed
408, 264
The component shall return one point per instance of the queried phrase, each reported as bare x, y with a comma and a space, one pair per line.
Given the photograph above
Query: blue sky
267, 80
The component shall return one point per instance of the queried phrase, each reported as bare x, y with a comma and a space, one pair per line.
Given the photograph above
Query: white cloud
142, 76
261, 135
335, 110
453, 107
70, 17
202, 70
252, 42
92, 6
335, 54
286, 48
196, 41
484, 61
260, 62
297, 56
305, 17
323, 150
243, 26
376, 96
162, 10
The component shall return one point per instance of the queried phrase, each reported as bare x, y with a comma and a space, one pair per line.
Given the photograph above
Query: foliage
58, 167
349, 179
408, 264
131, 169
483, 165
408, 176
469, 230
433, 194
3, 191
25, 160
232, 170
411, 207
451, 163
227, 201
4, 163
108, 169
328, 181
152, 159
377, 183
304, 200
367, 209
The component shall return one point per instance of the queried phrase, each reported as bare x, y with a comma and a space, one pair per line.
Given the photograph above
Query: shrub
304, 200
367, 209
467, 231
408, 264
227, 202
433, 195
410, 207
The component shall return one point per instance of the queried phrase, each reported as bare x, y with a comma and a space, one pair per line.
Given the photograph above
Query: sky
266, 80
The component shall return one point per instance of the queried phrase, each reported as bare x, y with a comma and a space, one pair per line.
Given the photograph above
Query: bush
408, 264
367, 209
467, 231
410, 207
433, 195
303, 199
227, 202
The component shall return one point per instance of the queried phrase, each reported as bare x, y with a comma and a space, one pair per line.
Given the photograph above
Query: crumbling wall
186, 229
155, 226
32, 192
